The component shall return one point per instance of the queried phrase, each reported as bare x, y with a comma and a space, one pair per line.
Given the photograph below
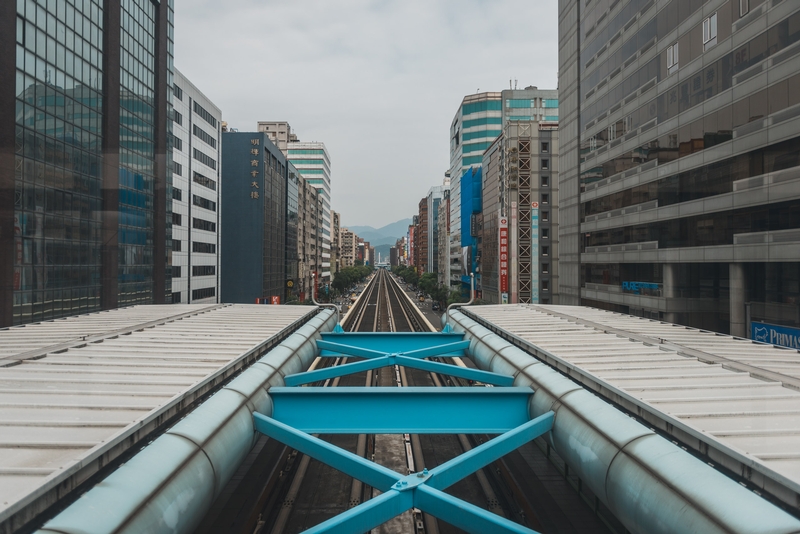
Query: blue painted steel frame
299, 412
422, 490
410, 410
317, 375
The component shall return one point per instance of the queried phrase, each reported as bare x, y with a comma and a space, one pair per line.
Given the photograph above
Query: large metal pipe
170, 485
648, 483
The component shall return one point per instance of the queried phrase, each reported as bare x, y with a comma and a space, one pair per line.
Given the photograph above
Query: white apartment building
196, 195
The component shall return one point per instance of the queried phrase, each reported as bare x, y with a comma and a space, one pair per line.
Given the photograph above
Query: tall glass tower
85, 141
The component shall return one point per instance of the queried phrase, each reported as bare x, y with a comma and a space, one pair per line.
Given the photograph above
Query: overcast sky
377, 81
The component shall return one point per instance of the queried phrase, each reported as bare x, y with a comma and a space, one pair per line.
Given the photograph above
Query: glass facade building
679, 160
84, 107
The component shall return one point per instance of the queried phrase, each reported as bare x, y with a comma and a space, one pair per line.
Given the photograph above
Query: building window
177, 91
177, 168
744, 7
545, 268
178, 118
545, 146
177, 194
204, 203
205, 159
545, 181
177, 142
204, 135
176, 271
176, 219
545, 233
545, 198
204, 248
545, 301
203, 270
545, 285
176, 245
204, 293
710, 30
545, 164
545, 215
672, 58
176, 297
205, 181
202, 224
205, 115
545, 251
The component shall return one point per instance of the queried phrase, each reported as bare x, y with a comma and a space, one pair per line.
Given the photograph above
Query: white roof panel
732, 393
74, 390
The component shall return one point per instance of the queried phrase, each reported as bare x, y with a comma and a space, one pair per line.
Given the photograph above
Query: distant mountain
386, 235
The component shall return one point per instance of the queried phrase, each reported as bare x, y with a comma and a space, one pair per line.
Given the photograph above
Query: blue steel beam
351, 464
368, 515
438, 350
316, 375
465, 464
462, 514
392, 410
393, 341
330, 349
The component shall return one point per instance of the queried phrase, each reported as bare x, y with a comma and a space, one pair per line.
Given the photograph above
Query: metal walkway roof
76, 393
733, 399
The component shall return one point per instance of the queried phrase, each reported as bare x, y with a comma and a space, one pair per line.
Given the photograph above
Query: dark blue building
254, 182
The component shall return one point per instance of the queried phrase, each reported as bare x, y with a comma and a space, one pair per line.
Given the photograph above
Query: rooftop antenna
509, 83
515, 83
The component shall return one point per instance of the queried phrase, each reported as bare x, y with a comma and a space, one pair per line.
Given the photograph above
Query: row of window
205, 115
205, 159
204, 203
204, 136
202, 224
204, 181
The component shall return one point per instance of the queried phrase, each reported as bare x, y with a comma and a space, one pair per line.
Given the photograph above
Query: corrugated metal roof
737, 395
75, 393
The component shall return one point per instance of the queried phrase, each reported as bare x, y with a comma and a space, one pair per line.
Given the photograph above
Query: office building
348, 247
679, 176
519, 256
85, 217
422, 236
432, 201
443, 237
279, 132
254, 180
196, 167
309, 237
313, 162
336, 222
293, 234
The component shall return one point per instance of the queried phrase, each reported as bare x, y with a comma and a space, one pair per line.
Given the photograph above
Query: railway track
296, 492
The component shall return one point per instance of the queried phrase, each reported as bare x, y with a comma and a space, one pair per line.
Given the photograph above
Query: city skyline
393, 72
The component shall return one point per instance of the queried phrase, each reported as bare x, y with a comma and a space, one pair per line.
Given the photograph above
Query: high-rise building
196, 151
433, 200
85, 141
336, 219
254, 180
423, 237
476, 124
443, 238
309, 236
312, 161
679, 175
519, 256
348, 247
294, 233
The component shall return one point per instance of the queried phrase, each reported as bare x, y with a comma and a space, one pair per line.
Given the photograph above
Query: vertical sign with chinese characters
534, 253
503, 256
254, 171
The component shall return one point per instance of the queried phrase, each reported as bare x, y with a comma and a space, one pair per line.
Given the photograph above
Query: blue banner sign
776, 335
637, 287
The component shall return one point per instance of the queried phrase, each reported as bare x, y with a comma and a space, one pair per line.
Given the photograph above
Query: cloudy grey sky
377, 81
